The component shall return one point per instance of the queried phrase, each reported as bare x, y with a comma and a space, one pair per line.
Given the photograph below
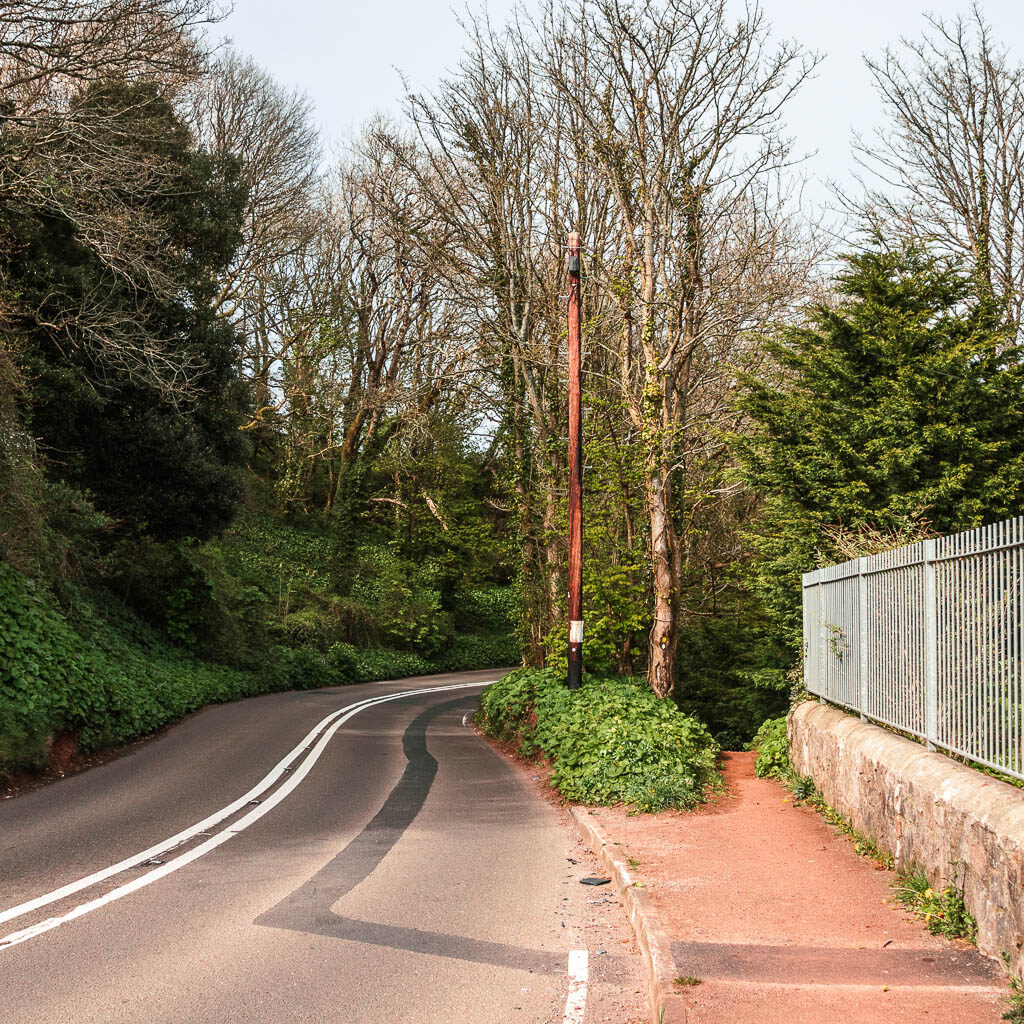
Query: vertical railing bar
862, 623
915, 666
931, 648
1013, 607
942, 605
1010, 649
962, 648
1015, 622
989, 653
915, 644
988, 581
1008, 645
963, 701
952, 650
820, 627
972, 653
983, 570
892, 580
1003, 705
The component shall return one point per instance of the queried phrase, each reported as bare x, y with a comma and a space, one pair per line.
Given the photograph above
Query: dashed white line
295, 776
576, 1002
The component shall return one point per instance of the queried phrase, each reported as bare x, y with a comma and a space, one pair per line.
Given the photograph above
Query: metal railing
927, 639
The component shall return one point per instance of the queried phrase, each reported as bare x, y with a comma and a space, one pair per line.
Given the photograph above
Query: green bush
377, 663
942, 910
475, 652
772, 746
730, 673
405, 601
612, 741
491, 610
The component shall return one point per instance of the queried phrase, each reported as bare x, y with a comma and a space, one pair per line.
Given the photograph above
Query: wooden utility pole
575, 474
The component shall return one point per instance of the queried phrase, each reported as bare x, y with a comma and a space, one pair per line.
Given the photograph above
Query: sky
349, 57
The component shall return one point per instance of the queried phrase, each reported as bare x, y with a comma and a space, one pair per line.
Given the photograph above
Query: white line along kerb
325, 729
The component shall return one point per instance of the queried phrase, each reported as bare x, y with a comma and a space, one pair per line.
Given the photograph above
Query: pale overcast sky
345, 55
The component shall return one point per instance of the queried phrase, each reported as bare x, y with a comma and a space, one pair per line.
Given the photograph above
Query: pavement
770, 915
376, 865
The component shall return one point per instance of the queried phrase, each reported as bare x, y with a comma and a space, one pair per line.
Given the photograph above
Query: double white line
321, 734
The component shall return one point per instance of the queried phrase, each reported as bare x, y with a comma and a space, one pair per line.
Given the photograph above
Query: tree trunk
664, 565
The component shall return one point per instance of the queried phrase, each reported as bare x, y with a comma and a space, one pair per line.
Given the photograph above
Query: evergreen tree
167, 467
902, 404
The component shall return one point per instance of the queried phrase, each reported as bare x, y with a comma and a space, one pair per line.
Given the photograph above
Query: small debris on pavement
594, 881
152, 862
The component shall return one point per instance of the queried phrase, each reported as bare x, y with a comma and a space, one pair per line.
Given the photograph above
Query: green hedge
612, 741
476, 652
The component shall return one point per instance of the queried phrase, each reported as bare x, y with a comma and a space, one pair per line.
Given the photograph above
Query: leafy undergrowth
97, 681
772, 746
1015, 1011
107, 681
611, 742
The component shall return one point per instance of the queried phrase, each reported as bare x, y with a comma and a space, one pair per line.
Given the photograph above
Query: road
339, 855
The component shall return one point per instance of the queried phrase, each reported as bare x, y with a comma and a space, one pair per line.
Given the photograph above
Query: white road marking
464, 717
576, 1002
294, 777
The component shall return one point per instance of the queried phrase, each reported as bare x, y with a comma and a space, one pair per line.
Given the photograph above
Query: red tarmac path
783, 921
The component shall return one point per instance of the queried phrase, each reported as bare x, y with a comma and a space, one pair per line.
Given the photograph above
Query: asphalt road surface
330, 855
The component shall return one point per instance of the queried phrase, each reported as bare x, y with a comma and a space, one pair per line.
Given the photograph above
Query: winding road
354, 854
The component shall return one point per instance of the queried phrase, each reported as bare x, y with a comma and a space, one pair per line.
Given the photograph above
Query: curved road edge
667, 1006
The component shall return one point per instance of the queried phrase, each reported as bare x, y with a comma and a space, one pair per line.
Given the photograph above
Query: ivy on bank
109, 683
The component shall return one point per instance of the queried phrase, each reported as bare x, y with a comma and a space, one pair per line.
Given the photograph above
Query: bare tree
365, 335
683, 111
71, 148
239, 109
508, 179
950, 163
46, 46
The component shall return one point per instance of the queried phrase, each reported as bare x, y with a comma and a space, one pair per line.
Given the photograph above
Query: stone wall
961, 826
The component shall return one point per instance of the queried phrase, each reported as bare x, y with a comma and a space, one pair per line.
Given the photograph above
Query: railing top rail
995, 537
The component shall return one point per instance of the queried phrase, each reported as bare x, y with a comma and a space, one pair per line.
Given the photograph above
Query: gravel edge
667, 1006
